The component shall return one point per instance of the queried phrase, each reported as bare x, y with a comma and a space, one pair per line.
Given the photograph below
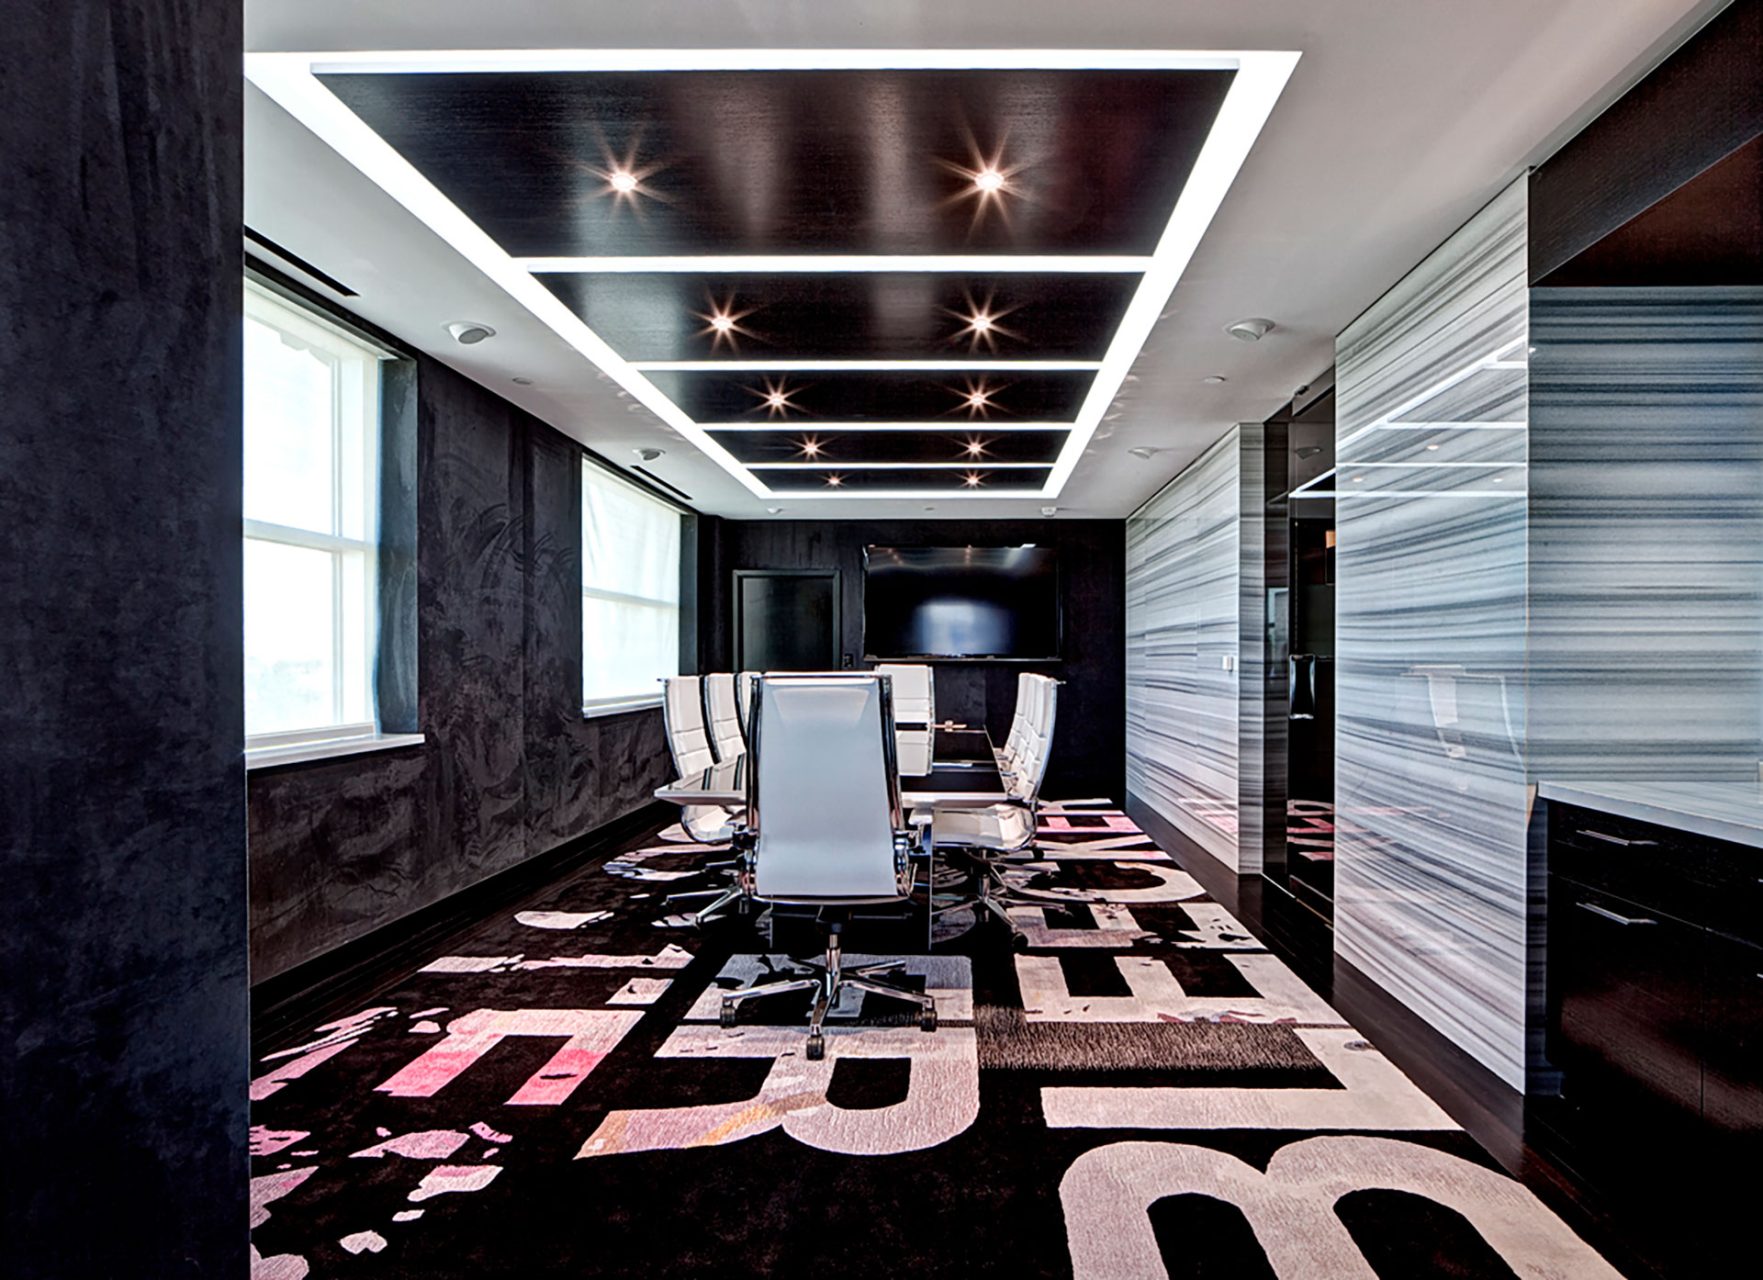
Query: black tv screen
961, 602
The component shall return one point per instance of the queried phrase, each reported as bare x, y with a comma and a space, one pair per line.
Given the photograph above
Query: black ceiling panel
892, 396
861, 315
800, 161
1014, 480
834, 446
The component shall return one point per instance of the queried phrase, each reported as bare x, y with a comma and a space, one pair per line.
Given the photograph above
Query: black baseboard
1491, 1110
333, 984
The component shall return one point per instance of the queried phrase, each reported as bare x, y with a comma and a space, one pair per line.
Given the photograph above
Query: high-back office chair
744, 684
824, 826
682, 710
1017, 740
915, 692
1002, 829
722, 714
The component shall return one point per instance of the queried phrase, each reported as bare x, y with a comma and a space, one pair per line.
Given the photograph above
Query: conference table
941, 767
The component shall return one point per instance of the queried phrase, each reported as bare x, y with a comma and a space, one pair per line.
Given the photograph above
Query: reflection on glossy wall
1431, 586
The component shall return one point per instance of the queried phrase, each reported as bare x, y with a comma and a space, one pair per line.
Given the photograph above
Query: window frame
621, 703
355, 499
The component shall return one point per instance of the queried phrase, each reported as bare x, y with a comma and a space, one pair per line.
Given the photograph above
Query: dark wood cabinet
1654, 1027
1628, 1008
1732, 1048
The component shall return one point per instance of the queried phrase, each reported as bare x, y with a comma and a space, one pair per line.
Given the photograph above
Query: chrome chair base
827, 980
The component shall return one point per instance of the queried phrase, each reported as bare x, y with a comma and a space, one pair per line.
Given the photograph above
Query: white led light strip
971, 464
865, 366
824, 426
991, 264
291, 80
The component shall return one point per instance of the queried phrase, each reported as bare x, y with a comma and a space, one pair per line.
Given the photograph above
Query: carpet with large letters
1141, 1091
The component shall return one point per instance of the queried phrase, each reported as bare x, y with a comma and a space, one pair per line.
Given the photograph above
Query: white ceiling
1402, 118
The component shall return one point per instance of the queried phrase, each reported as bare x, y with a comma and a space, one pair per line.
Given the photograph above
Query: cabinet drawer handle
1612, 916
1599, 835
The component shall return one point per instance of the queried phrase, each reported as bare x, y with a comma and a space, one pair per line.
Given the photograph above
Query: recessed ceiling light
930, 508
776, 397
774, 510
1432, 448
468, 333
1251, 330
835, 481
722, 323
988, 179
648, 453
975, 448
972, 479
523, 382
622, 181
1213, 379
810, 447
1358, 479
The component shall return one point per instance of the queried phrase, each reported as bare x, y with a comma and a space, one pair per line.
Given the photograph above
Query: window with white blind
312, 419
630, 592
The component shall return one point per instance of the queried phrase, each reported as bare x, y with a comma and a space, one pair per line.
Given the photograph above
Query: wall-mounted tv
999, 603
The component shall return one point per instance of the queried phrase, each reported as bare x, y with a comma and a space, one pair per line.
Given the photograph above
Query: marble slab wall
1192, 585
1646, 533
1431, 866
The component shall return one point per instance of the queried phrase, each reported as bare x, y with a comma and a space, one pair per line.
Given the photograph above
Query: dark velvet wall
510, 768
1089, 753
123, 998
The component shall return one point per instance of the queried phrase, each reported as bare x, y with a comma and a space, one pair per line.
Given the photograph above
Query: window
630, 592
312, 409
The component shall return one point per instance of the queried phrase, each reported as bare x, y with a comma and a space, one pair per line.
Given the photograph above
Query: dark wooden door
786, 620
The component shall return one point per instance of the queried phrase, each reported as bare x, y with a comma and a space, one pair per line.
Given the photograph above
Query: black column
123, 992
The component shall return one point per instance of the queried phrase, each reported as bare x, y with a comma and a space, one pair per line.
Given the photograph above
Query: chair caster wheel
816, 1047
927, 1021
728, 1013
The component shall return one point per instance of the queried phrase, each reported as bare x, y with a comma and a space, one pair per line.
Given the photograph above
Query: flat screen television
999, 603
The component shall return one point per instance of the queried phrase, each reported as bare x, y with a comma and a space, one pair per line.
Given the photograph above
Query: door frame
741, 575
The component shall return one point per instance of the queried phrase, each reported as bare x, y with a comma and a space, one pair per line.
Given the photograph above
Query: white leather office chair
1016, 741
989, 834
744, 697
722, 714
915, 696
682, 709
825, 827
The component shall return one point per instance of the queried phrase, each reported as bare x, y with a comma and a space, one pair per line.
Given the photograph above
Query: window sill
327, 749
650, 702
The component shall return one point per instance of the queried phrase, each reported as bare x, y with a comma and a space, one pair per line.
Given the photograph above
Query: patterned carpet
1143, 1091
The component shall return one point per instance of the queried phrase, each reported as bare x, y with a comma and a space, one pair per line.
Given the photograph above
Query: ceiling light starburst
722, 323
986, 180
776, 397
978, 398
980, 323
